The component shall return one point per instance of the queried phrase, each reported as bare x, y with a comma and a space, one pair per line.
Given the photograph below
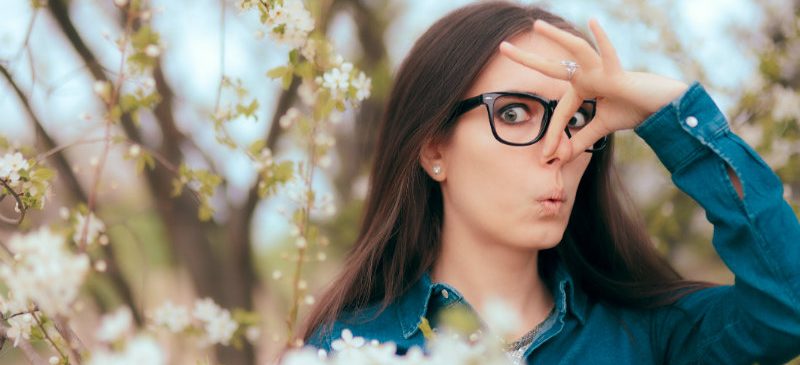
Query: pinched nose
562, 154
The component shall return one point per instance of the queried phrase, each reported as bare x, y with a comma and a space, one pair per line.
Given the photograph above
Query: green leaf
278, 72
43, 174
249, 110
287, 80
145, 160
256, 147
115, 113
177, 187
246, 318
426, 329
128, 102
305, 70
205, 212
143, 37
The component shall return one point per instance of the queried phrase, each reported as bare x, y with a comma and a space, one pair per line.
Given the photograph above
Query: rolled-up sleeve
757, 236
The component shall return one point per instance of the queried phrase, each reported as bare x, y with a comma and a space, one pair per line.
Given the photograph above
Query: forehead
503, 74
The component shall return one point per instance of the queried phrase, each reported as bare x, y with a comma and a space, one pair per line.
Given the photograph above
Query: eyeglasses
521, 119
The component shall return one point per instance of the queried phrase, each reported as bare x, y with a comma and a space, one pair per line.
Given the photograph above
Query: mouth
556, 195
551, 203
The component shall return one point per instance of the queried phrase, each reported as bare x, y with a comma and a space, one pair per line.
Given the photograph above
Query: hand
624, 98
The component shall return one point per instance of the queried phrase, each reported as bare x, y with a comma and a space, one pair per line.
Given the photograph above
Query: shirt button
445, 294
691, 121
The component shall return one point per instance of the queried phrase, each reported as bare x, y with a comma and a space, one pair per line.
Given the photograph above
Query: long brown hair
605, 247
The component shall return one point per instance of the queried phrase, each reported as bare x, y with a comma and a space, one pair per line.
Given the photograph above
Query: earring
437, 169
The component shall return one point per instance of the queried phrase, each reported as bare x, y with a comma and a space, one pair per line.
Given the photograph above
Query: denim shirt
758, 237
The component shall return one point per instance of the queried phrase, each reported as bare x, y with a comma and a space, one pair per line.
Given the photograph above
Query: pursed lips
550, 203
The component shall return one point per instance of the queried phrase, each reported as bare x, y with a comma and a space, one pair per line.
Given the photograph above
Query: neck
482, 271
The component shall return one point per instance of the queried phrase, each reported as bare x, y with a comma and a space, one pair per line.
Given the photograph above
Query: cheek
474, 158
487, 182
574, 171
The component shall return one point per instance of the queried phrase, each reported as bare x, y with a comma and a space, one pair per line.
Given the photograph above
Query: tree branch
78, 194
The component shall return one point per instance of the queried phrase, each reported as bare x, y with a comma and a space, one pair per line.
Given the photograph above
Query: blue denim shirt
758, 237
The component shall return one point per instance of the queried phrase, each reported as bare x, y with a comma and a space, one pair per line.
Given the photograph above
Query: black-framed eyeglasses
521, 119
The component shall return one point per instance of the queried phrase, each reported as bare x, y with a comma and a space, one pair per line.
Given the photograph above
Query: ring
571, 68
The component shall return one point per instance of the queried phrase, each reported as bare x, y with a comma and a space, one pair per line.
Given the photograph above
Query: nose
562, 154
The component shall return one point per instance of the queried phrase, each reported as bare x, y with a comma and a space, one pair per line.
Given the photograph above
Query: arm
756, 234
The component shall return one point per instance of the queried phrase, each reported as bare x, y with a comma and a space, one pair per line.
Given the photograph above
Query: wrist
650, 92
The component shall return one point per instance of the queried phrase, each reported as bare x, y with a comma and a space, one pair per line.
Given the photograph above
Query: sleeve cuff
679, 131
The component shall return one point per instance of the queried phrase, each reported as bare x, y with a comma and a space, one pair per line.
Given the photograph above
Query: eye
579, 120
514, 114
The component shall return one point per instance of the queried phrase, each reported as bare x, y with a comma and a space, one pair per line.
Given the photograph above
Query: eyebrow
521, 92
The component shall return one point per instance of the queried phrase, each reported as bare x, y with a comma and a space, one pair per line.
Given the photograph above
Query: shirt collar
413, 305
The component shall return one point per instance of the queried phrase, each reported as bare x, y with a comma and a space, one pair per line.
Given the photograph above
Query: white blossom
292, 116
307, 92
93, 230
11, 165
363, 86
347, 342
444, 348
46, 273
217, 322
174, 318
19, 320
114, 326
787, 103
152, 51
500, 316
102, 89
336, 81
309, 50
253, 334
305, 356
290, 23
263, 160
139, 350
781, 151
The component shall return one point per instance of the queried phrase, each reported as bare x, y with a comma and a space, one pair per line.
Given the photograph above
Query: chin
546, 240
539, 241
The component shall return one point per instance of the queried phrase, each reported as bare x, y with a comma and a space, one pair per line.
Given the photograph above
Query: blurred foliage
765, 113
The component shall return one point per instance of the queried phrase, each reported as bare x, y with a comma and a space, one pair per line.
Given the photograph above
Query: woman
485, 186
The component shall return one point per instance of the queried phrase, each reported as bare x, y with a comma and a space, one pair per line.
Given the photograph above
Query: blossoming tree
79, 279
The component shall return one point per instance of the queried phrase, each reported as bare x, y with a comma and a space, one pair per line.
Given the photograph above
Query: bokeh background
745, 52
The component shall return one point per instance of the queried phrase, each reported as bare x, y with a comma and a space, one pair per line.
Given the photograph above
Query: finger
607, 51
538, 63
579, 47
588, 136
566, 107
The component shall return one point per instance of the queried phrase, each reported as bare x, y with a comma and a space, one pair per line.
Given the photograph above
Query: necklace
527, 338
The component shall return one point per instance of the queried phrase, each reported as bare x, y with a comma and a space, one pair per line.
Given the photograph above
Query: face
499, 193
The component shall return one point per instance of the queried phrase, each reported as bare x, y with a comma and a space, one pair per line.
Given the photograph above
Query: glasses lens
518, 119
582, 117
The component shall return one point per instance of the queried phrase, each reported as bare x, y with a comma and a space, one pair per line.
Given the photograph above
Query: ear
431, 157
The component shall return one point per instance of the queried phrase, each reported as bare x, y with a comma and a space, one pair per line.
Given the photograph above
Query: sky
191, 38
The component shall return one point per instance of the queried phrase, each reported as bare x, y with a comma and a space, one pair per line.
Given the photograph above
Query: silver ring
571, 68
